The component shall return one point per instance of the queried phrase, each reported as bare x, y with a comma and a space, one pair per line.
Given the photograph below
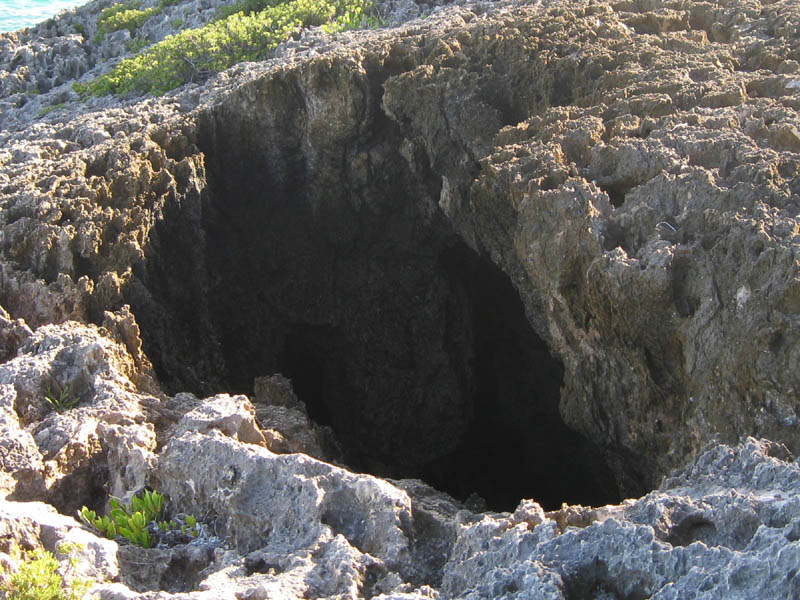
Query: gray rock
64, 457
697, 536
232, 415
37, 525
286, 424
22, 467
12, 334
569, 225
281, 503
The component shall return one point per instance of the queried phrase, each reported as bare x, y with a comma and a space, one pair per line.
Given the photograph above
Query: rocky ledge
409, 312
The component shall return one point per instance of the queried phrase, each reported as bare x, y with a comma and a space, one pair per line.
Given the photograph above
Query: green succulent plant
136, 521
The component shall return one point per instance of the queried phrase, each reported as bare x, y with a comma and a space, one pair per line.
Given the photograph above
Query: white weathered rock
232, 415
282, 503
64, 457
726, 526
285, 422
12, 334
38, 525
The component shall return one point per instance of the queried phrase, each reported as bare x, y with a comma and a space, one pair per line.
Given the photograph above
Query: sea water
16, 14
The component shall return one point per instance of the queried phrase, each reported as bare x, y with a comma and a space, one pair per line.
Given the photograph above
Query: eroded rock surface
540, 250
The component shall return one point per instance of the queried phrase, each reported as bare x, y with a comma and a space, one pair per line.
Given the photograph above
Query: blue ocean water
16, 14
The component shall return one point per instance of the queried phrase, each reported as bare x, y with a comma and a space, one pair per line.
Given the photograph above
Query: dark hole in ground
693, 529
335, 266
616, 193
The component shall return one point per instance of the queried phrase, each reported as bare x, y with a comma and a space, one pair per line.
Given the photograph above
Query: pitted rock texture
547, 250
633, 172
723, 528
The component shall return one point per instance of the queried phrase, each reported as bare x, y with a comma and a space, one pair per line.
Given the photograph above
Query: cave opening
333, 265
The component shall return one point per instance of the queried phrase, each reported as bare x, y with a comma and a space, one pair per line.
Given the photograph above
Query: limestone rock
12, 334
21, 461
101, 439
697, 532
281, 502
530, 253
232, 415
286, 424
37, 525
621, 225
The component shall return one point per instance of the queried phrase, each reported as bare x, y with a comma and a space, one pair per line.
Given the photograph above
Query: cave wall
631, 212
557, 164
317, 249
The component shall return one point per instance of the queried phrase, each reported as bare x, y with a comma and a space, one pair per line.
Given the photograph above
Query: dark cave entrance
334, 266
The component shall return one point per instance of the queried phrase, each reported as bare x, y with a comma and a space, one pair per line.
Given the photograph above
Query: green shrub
134, 523
130, 19
38, 579
109, 15
137, 44
195, 54
246, 7
118, 8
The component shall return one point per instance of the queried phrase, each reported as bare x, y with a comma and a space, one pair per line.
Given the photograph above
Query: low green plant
137, 44
61, 399
195, 54
123, 16
245, 6
117, 8
44, 112
104, 524
38, 579
190, 526
135, 522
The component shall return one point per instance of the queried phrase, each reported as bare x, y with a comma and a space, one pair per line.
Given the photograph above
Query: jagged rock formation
542, 250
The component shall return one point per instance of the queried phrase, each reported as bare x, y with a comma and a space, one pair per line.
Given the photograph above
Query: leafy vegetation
245, 6
127, 15
189, 527
38, 579
120, 7
138, 522
251, 33
123, 16
61, 399
137, 43
44, 112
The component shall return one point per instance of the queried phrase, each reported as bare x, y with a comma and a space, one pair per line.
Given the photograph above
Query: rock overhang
322, 253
